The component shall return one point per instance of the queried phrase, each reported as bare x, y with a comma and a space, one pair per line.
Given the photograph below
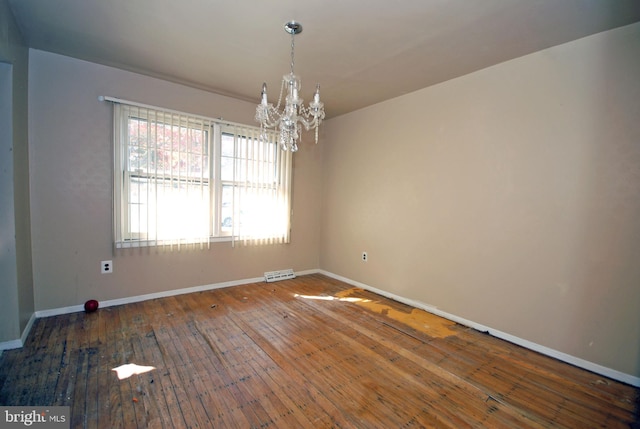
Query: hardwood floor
311, 352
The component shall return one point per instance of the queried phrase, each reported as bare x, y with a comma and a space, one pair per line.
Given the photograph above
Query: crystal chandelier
287, 123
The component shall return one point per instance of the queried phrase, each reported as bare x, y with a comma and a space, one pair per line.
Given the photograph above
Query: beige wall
509, 197
16, 280
71, 183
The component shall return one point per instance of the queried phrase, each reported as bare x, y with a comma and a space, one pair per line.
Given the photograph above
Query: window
181, 179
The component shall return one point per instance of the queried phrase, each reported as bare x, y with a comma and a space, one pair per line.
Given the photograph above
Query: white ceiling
360, 51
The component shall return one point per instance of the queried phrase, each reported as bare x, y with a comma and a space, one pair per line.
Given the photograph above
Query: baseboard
16, 344
173, 292
581, 363
10, 345
146, 297
307, 272
576, 361
27, 329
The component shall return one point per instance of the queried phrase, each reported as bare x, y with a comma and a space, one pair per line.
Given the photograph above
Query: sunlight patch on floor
420, 320
332, 298
127, 370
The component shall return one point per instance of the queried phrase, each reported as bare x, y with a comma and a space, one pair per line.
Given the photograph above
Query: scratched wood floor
311, 352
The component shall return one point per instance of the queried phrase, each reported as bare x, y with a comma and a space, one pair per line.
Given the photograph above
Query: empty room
338, 214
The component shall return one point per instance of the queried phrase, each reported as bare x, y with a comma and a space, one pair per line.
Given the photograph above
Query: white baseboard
173, 292
146, 297
10, 345
16, 344
581, 363
307, 272
576, 361
27, 329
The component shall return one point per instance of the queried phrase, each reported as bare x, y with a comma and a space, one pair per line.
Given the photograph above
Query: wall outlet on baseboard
106, 267
365, 257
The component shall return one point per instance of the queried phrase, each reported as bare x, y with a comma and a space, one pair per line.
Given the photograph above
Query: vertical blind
261, 187
182, 180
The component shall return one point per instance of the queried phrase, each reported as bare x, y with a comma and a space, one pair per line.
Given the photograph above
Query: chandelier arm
267, 115
307, 124
270, 123
314, 123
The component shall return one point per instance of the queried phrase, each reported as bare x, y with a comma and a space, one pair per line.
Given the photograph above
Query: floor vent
274, 276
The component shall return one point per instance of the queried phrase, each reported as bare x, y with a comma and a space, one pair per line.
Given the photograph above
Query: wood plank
48, 376
79, 395
178, 352
159, 381
227, 367
101, 417
134, 411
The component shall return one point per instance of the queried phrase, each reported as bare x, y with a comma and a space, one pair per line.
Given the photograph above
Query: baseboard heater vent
274, 276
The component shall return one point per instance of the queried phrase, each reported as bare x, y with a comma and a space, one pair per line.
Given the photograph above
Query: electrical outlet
106, 267
365, 257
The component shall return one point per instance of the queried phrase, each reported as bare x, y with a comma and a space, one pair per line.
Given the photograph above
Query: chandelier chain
293, 35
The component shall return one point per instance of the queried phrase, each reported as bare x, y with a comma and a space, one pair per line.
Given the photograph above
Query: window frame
124, 236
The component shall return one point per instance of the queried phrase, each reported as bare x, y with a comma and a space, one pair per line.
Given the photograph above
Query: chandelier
288, 122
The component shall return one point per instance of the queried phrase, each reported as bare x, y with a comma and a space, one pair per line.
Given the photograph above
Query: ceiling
361, 52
